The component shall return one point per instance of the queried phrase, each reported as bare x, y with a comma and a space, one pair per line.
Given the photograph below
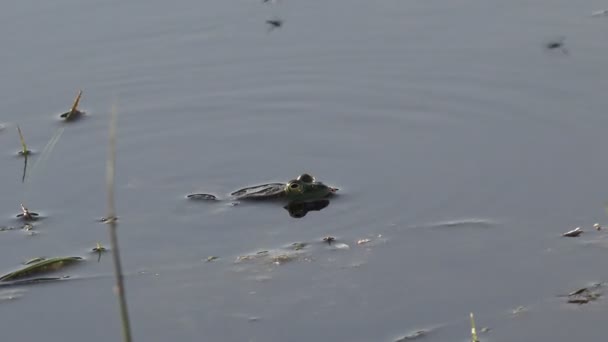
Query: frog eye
306, 178
294, 185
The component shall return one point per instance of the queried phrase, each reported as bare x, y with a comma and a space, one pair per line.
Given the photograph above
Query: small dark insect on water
274, 23
556, 44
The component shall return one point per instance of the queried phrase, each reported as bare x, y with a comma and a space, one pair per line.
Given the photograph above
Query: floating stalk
40, 267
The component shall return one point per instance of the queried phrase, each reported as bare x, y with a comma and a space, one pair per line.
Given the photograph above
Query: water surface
461, 147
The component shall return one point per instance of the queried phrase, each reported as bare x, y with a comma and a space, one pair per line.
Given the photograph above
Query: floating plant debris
202, 197
211, 258
40, 267
519, 310
413, 336
473, 329
574, 232
276, 257
73, 113
585, 295
108, 219
24, 151
298, 245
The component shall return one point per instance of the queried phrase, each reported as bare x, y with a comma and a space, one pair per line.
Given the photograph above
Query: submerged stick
110, 171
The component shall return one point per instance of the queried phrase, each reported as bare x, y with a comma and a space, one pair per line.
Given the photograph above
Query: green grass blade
41, 267
110, 171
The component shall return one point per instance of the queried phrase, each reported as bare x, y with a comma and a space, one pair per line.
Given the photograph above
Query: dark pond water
461, 146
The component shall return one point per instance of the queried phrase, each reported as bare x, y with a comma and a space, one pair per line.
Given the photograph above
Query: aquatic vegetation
465, 223
107, 219
34, 260
24, 151
40, 267
112, 223
204, 197
585, 295
413, 336
276, 257
298, 245
519, 310
28, 227
473, 330
573, 233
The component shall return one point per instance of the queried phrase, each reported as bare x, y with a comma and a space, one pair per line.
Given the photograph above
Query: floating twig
211, 258
24, 151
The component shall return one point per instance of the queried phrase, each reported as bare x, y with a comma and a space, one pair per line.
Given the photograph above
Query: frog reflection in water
303, 194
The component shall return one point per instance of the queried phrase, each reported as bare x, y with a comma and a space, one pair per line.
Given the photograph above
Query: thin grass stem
110, 171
